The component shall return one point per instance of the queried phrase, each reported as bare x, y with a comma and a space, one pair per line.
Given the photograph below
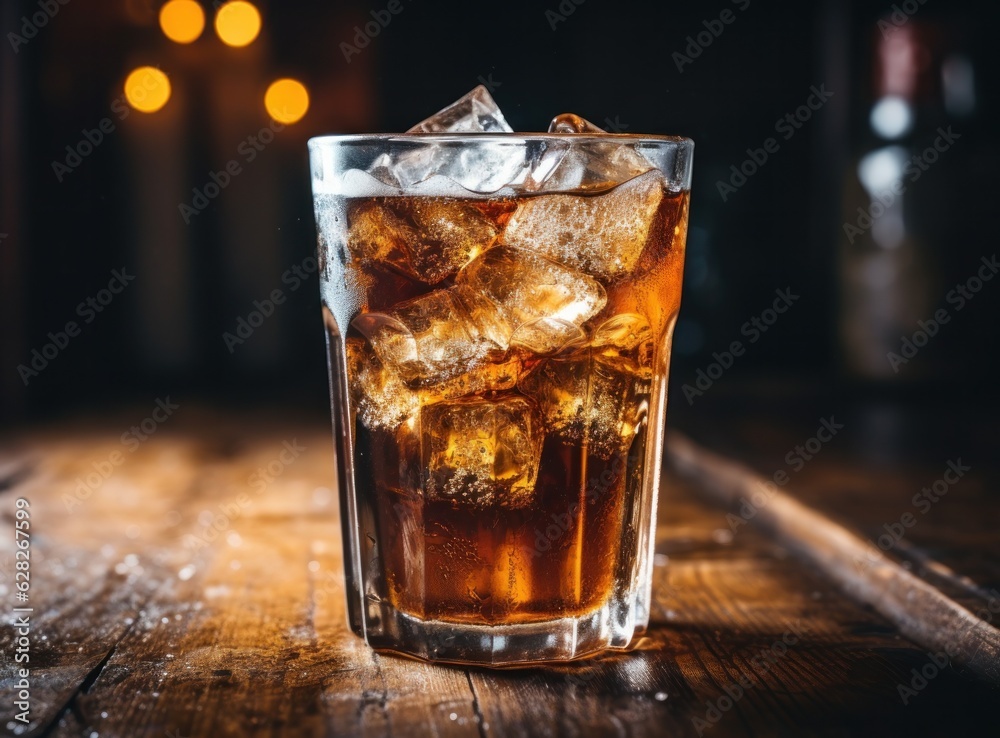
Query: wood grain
151, 629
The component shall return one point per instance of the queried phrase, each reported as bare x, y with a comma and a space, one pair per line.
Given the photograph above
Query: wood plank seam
85, 686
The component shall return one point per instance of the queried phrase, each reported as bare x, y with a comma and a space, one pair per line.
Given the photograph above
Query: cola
499, 464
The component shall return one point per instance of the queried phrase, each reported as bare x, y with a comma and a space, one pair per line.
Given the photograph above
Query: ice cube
486, 167
627, 338
426, 239
483, 377
584, 165
382, 401
481, 452
590, 399
546, 336
450, 235
517, 286
476, 112
454, 167
429, 339
602, 235
376, 233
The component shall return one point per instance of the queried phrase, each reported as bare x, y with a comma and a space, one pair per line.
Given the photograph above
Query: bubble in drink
603, 235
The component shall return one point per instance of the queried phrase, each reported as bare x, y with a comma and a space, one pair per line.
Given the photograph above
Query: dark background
606, 61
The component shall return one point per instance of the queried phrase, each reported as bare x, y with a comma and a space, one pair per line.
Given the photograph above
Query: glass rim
582, 138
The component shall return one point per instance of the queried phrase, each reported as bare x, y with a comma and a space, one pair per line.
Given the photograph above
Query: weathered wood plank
242, 632
918, 609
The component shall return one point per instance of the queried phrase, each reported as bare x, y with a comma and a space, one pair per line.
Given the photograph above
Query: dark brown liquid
501, 550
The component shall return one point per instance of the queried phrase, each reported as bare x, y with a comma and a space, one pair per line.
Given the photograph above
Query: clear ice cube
475, 112
375, 233
382, 401
516, 286
450, 235
486, 167
628, 339
587, 398
426, 239
429, 339
586, 165
546, 336
602, 235
481, 452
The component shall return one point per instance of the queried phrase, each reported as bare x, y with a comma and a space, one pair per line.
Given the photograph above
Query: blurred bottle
890, 245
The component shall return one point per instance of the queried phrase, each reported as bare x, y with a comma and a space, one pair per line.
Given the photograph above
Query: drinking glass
499, 311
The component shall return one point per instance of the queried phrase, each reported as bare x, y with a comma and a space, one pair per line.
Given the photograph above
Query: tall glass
499, 339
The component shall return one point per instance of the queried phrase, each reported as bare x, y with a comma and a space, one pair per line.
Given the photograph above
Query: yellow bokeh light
237, 23
286, 100
147, 89
182, 20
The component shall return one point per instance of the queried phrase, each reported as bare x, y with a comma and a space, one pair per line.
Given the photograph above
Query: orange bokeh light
182, 20
147, 89
286, 100
237, 23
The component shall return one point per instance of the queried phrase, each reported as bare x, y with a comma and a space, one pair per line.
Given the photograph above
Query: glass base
522, 644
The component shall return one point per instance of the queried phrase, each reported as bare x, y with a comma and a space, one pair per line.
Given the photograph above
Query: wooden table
197, 591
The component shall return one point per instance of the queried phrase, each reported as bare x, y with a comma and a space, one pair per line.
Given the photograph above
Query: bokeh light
237, 23
147, 89
286, 100
182, 20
